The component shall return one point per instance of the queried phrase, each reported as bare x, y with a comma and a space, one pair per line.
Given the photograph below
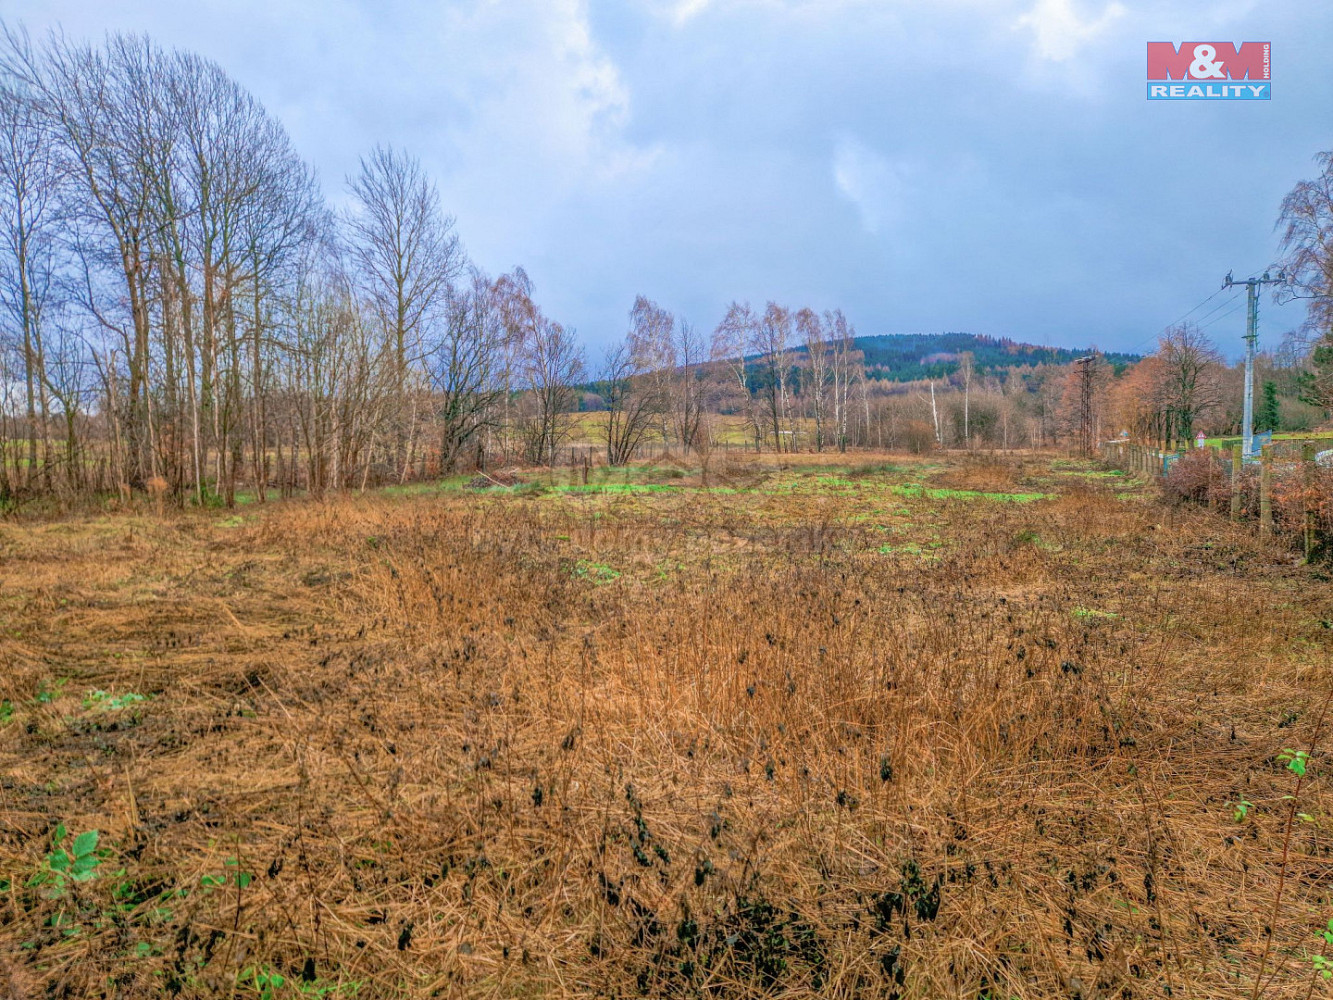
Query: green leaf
60, 835
58, 861
85, 843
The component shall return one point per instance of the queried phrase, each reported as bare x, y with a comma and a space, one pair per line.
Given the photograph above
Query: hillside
905, 357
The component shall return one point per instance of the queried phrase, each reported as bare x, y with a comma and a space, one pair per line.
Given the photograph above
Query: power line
1166, 329
1236, 307
1228, 304
1199, 306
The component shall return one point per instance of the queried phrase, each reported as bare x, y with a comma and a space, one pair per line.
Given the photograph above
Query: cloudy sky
981, 165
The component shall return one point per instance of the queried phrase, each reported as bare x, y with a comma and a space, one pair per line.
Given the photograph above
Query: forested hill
904, 357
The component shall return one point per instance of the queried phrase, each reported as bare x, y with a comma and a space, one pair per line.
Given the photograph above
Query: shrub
1199, 476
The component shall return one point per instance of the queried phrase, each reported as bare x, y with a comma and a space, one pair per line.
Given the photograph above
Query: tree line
183, 312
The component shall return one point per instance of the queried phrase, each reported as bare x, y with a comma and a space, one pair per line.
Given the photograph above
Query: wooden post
1265, 492
1307, 469
1236, 465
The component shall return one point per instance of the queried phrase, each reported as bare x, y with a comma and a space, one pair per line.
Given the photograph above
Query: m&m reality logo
1209, 71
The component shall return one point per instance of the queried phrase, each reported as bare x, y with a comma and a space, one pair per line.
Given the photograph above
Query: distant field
839, 726
1227, 442
728, 430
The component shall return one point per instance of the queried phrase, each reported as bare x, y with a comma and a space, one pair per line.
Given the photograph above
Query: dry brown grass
983, 473
683, 743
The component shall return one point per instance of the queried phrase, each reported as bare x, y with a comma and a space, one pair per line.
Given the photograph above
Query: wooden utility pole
1307, 471
1236, 464
1265, 492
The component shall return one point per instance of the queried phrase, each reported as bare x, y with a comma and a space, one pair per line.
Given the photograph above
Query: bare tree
30, 178
771, 338
967, 368
651, 343
1306, 221
550, 365
818, 370
689, 386
100, 117
731, 340
634, 397
845, 369
407, 255
1188, 382
465, 366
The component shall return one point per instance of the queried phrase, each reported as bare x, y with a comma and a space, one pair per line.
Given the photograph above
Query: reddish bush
1296, 490
1202, 476
1199, 476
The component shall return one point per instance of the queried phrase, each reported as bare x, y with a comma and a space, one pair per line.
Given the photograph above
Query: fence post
1265, 492
1307, 469
1236, 464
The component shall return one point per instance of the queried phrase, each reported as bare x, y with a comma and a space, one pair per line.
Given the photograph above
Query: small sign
1209, 71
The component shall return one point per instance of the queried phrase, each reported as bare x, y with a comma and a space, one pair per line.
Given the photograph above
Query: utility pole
1084, 404
1252, 287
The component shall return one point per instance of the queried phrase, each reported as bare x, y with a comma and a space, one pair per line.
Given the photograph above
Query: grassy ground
1227, 442
949, 728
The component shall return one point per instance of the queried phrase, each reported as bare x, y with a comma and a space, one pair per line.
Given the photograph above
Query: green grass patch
1092, 614
615, 488
933, 493
596, 572
111, 702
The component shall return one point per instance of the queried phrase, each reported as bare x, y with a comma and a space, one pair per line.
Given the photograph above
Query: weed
103, 701
596, 572
62, 866
1092, 614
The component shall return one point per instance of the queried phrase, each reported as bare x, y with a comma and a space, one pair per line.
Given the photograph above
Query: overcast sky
989, 166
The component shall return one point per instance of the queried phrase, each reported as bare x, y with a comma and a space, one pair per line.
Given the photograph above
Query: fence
1305, 488
1139, 459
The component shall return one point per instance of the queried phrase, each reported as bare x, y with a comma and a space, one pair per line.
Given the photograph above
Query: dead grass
766, 742
983, 473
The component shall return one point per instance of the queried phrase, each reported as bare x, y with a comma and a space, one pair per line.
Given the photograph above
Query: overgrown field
966, 728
